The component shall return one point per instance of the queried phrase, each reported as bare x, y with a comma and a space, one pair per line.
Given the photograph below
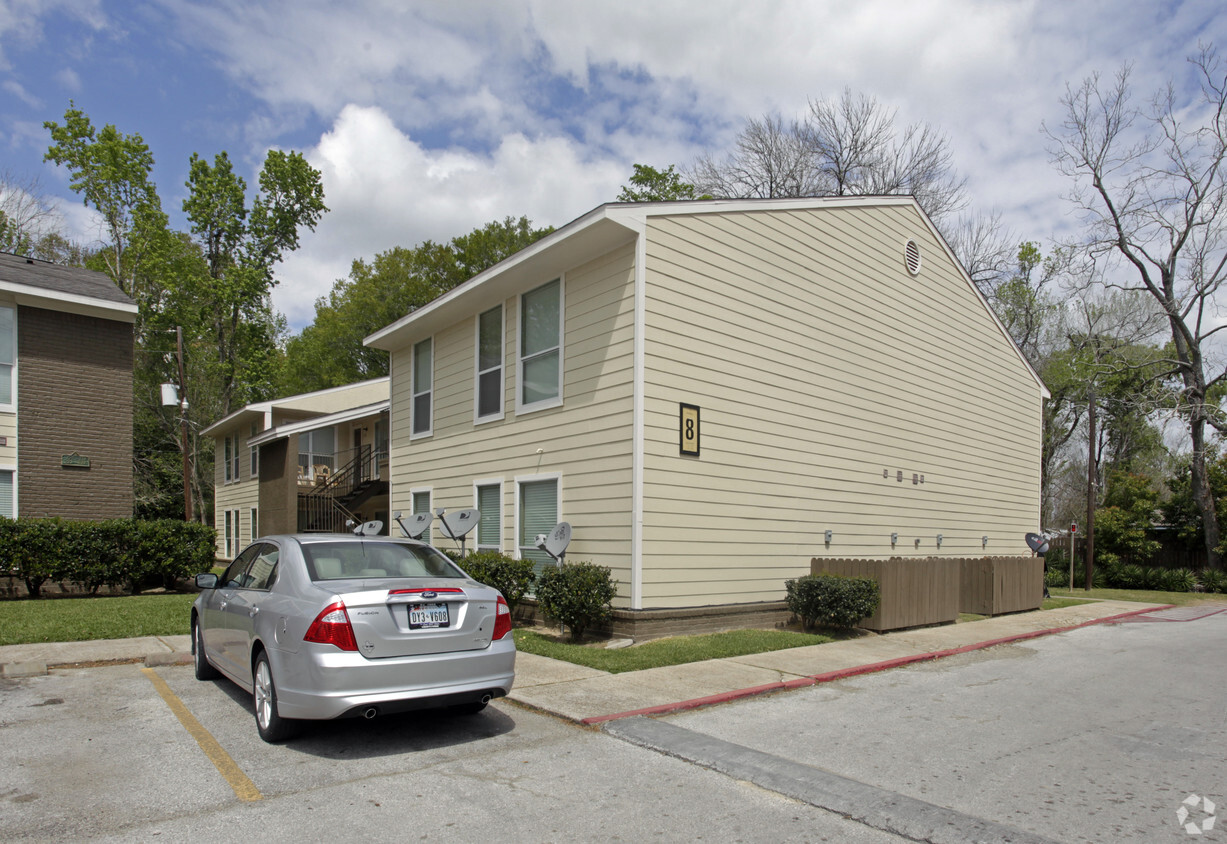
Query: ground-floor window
421, 504
232, 533
537, 506
254, 520
489, 501
7, 502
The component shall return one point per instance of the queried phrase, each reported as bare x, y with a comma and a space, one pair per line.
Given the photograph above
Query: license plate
428, 615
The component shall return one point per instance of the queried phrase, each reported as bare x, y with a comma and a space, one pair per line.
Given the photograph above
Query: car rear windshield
374, 558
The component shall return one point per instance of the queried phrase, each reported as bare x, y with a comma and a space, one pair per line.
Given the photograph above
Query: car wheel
204, 669
272, 727
468, 708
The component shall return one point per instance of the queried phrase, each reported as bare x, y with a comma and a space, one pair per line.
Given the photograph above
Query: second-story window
490, 364
254, 451
422, 384
541, 346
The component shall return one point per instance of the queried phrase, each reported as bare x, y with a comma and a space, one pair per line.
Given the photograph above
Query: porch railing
319, 497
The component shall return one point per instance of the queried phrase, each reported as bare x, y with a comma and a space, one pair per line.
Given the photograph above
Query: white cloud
384, 189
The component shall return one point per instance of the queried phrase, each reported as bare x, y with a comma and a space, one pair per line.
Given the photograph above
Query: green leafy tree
647, 184
329, 352
111, 171
1123, 525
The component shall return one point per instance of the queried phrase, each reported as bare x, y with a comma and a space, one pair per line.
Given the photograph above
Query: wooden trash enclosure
995, 585
920, 591
915, 591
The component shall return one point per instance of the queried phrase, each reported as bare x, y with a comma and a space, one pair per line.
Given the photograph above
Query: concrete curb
843, 673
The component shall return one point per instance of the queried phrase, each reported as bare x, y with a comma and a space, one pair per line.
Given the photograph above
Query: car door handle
222, 605
251, 613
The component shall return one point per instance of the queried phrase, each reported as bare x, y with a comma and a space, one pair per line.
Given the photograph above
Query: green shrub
1179, 580
514, 578
832, 600
1212, 580
579, 595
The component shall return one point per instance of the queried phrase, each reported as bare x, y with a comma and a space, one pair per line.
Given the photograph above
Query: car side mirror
206, 581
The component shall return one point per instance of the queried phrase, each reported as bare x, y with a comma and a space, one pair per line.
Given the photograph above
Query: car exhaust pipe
370, 712
486, 698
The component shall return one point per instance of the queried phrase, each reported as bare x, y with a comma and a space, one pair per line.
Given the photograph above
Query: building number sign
688, 429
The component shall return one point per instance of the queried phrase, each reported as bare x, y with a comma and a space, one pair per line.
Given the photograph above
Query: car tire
204, 668
467, 708
271, 726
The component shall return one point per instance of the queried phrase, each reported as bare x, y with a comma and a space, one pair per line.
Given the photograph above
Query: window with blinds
7, 509
490, 527
538, 515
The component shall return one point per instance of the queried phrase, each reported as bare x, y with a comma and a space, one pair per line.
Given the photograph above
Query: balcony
328, 497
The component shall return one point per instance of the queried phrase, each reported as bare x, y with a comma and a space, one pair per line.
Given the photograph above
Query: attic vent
911, 257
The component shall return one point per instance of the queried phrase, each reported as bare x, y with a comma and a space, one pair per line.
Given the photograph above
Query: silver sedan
319, 626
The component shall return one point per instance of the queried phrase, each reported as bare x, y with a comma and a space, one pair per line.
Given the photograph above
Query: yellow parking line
243, 787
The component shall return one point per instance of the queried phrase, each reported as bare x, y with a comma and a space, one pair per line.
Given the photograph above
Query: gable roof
609, 226
41, 284
315, 405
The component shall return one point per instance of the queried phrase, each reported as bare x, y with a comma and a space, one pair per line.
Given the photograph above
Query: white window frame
11, 406
234, 532
415, 391
253, 452
228, 446
554, 401
254, 519
501, 367
520, 480
430, 508
477, 486
11, 469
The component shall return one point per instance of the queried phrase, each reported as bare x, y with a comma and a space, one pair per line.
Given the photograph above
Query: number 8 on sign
688, 422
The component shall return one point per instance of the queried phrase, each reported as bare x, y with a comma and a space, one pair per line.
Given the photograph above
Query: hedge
123, 553
513, 578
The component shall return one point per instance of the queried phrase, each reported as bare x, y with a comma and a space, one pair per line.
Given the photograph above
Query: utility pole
187, 466
1090, 496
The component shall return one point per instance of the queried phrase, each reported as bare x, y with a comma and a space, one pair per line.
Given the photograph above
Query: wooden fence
915, 591
995, 585
921, 591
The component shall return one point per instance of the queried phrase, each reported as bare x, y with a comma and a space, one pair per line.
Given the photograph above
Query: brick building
66, 362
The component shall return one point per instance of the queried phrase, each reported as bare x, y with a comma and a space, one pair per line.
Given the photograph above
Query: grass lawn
1180, 599
675, 650
80, 619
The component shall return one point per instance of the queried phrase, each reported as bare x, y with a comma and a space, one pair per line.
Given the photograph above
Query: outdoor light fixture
894, 538
828, 537
984, 541
939, 540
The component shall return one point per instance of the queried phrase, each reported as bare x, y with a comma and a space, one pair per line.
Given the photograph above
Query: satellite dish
556, 541
372, 528
1037, 543
457, 524
416, 526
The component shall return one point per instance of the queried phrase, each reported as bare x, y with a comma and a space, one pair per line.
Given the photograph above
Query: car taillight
332, 627
502, 619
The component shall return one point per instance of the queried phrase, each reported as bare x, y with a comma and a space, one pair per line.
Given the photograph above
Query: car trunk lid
394, 618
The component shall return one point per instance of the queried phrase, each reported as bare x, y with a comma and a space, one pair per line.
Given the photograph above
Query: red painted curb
843, 673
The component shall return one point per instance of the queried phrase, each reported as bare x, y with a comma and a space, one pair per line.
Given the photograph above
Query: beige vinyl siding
587, 440
243, 494
819, 362
8, 430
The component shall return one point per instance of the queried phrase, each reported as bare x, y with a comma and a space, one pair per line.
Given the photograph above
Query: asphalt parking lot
99, 754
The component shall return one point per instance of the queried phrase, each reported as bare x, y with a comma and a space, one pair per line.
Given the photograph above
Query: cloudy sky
428, 119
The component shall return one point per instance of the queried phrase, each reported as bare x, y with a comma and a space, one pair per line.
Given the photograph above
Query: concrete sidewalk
589, 696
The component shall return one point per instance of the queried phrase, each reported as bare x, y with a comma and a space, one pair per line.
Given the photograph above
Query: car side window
263, 571
234, 576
